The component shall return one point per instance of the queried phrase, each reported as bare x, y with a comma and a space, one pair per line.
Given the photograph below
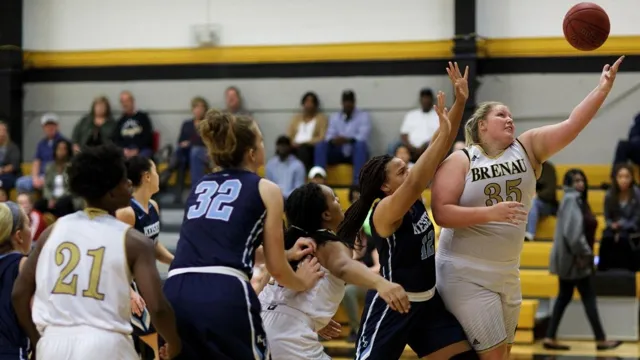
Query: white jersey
83, 277
319, 303
507, 177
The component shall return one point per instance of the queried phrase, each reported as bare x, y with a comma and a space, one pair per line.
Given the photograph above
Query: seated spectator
618, 248
629, 150
95, 128
307, 129
134, 131
44, 154
4, 197
346, 138
38, 223
233, 102
285, 169
572, 260
9, 160
56, 197
402, 152
418, 127
546, 202
317, 175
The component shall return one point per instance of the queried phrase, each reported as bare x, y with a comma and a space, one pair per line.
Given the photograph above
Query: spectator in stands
9, 159
418, 127
134, 131
285, 169
234, 102
629, 149
622, 216
317, 175
307, 128
402, 152
44, 154
56, 197
546, 202
365, 252
38, 223
346, 138
572, 259
95, 128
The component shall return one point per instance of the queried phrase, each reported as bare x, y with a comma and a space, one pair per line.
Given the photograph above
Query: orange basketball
586, 26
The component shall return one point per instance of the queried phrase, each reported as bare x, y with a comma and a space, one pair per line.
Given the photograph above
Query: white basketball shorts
84, 342
484, 297
291, 337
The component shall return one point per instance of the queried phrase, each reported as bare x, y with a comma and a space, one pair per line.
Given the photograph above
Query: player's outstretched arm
543, 142
274, 254
336, 257
392, 209
142, 262
25, 287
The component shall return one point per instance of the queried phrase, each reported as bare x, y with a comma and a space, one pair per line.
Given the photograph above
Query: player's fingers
457, 69
466, 72
306, 242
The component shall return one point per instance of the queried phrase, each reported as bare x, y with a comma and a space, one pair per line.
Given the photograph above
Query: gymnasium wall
274, 52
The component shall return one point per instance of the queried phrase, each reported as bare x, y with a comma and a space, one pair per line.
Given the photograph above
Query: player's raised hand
609, 75
511, 212
303, 247
443, 114
460, 82
394, 295
309, 271
332, 330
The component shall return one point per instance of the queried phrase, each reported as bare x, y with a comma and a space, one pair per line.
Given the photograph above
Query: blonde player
81, 269
481, 196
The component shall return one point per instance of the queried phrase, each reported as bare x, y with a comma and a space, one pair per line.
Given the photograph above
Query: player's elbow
341, 267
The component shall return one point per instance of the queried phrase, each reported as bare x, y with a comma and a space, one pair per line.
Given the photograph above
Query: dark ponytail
372, 177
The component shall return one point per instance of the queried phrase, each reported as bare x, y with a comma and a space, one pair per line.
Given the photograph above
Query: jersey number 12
214, 200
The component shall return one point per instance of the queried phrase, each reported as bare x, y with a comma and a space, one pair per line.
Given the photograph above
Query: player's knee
467, 355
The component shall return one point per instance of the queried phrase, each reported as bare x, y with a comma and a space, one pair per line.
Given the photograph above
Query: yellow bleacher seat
595, 199
535, 254
596, 174
340, 175
26, 168
547, 226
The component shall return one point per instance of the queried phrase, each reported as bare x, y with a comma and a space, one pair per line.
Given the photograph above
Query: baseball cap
49, 118
317, 171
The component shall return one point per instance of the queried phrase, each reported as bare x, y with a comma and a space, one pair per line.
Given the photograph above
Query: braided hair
372, 176
304, 208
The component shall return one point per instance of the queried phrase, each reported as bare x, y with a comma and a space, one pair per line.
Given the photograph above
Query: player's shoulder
135, 241
155, 205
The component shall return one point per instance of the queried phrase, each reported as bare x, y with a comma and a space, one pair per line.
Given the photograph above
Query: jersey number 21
214, 200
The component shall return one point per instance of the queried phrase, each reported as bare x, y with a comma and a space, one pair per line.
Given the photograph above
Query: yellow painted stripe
440, 49
243, 54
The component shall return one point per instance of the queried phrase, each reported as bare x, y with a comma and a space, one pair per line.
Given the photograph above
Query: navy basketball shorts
217, 316
384, 333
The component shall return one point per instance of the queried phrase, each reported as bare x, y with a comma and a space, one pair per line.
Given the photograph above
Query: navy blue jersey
13, 341
407, 256
147, 220
223, 222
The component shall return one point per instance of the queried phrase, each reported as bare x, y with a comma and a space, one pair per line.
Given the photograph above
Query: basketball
586, 26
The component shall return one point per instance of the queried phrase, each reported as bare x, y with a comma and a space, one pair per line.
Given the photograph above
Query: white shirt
83, 276
305, 131
420, 126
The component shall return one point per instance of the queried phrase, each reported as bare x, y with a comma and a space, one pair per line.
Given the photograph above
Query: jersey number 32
214, 200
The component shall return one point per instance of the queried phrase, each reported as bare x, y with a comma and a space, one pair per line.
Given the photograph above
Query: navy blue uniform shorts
384, 333
218, 317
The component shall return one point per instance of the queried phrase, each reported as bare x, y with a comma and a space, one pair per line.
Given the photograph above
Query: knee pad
467, 355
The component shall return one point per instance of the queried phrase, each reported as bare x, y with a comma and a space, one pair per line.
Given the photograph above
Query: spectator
38, 223
3, 196
629, 149
233, 101
191, 152
285, 169
317, 175
44, 155
307, 129
418, 127
134, 131
622, 216
572, 260
56, 197
9, 160
95, 128
546, 202
346, 138
403, 153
